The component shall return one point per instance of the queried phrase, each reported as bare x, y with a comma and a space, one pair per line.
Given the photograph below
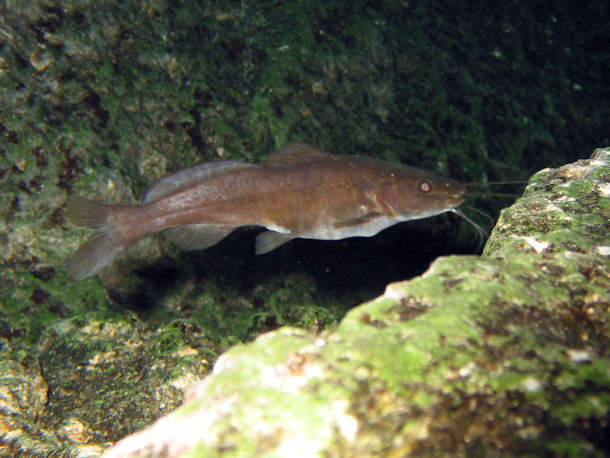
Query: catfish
297, 192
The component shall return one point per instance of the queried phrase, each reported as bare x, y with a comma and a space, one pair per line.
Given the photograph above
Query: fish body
297, 192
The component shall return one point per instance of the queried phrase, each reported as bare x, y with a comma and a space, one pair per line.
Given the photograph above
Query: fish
296, 192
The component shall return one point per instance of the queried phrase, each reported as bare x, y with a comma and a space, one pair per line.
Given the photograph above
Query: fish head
413, 193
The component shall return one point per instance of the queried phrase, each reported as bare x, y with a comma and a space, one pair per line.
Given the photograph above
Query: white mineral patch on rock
537, 245
604, 250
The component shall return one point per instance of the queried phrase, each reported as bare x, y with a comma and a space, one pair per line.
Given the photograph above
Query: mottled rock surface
502, 353
100, 99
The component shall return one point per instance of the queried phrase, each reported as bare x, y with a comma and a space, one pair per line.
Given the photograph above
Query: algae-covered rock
502, 353
100, 99
92, 380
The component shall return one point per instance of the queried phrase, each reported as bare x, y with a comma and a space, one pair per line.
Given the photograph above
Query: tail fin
103, 246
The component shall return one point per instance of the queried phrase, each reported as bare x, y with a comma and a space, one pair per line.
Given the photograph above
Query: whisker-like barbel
485, 183
491, 194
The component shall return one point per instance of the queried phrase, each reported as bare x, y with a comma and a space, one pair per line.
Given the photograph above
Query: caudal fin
103, 246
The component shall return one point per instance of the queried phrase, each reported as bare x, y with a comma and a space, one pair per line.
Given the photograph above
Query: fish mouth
455, 196
453, 200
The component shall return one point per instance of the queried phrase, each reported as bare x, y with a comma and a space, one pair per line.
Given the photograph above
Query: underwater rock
502, 353
91, 381
100, 100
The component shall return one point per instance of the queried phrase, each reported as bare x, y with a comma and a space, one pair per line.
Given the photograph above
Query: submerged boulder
504, 352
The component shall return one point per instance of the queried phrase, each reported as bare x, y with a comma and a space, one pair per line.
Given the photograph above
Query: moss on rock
503, 353
102, 99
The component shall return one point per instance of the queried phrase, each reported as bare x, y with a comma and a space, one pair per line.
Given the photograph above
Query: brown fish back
190, 176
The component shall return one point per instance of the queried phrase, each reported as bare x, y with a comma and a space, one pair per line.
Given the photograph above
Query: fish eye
425, 186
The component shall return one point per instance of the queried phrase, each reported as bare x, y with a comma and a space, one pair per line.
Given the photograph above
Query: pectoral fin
269, 240
358, 220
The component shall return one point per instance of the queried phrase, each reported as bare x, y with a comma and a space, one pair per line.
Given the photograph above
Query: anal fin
197, 236
269, 240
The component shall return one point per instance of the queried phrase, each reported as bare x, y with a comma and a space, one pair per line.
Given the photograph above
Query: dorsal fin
294, 153
190, 176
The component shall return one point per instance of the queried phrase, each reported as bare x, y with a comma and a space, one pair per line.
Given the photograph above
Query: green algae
101, 102
504, 353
